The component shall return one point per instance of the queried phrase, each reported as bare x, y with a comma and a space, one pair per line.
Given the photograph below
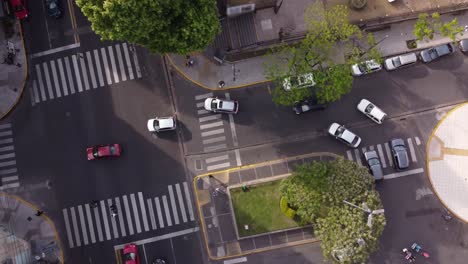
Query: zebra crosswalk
88, 224
83, 72
8, 170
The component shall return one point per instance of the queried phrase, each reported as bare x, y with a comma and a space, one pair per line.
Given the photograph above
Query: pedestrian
94, 203
221, 84
189, 62
39, 213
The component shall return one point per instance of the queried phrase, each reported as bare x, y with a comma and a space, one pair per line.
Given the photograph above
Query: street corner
447, 161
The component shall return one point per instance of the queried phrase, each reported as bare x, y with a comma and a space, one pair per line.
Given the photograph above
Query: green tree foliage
162, 26
427, 26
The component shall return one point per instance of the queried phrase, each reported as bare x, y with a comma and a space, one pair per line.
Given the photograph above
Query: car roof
228, 105
397, 141
166, 122
370, 154
464, 44
348, 136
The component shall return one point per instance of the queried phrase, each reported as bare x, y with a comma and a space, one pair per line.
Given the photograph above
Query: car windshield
373, 162
362, 67
130, 256
340, 131
369, 108
396, 62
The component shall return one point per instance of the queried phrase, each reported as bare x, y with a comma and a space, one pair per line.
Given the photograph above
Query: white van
400, 61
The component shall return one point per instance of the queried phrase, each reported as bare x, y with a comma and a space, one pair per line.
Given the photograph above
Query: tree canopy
177, 26
427, 26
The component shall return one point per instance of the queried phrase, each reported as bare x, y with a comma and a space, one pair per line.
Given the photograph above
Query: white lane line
189, 201
91, 69
47, 78
151, 212
6, 141
8, 171
358, 157
233, 125
212, 132
7, 148
159, 238
114, 67
39, 80
135, 213
9, 179
202, 111
411, 147
158, 209
181, 203
350, 155
6, 133
208, 118
75, 227
6, 125
403, 173
35, 92
166, 210
203, 96
135, 61
83, 70
9, 186
69, 75
62, 77
7, 156
236, 260
67, 227
8, 163
98, 67
113, 223
106, 66
127, 60
56, 80
214, 140
127, 213
105, 218
364, 150
389, 155
91, 225
418, 142
98, 223
218, 158
382, 157
211, 125
143, 211
201, 104
215, 147
173, 205
51, 51
121, 65
120, 215
218, 166
83, 225
238, 159
79, 84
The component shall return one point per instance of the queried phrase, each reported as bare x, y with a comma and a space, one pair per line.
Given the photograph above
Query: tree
426, 27
162, 26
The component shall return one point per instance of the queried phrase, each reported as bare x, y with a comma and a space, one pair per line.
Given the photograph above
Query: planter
357, 4
411, 44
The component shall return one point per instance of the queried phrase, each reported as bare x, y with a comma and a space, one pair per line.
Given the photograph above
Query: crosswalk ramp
384, 152
8, 170
83, 72
88, 224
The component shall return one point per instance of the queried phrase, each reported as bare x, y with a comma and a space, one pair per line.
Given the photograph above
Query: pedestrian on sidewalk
221, 84
189, 62
39, 213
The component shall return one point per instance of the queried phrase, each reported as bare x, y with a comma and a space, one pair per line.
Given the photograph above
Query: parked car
433, 53
19, 8
53, 8
365, 67
341, 133
130, 254
309, 104
400, 61
463, 45
399, 153
300, 81
373, 162
159, 124
371, 111
221, 105
101, 151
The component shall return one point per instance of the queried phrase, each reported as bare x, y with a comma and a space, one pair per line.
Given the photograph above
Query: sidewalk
207, 73
24, 236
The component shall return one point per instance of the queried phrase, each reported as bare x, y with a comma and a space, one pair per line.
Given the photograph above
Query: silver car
399, 153
373, 162
431, 54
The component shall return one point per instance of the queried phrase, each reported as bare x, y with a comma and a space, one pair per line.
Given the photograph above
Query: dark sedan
399, 153
309, 104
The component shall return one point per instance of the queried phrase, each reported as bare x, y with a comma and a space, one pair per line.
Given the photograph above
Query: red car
96, 152
19, 8
130, 253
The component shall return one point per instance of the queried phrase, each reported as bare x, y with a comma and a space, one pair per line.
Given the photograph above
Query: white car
397, 62
365, 67
341, 133
372, 111
301, 81
159, 124
221, 105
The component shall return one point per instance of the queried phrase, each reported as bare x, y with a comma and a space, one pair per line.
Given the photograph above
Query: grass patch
259, 208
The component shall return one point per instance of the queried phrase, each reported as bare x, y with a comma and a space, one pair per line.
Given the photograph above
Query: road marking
159, 238
9, 186
9, 178
98, 67
218, 166
364, 150
75, 227
112, 218
202, 111
7, 156
83, 70
8, 171
5, 126
7, 163
91, 225
79, 85
120, 215
350, 155
69, 75
54, 76
62, 77
7, 148
35, 92
143, 211
411, 147
158, 208
418, 142
121, 65
181, 203
189, 201
236, 260
127, 59
218, 158
371, 148
233, 126
52, 51
106, 66
166, 210
214, 140
389, 155
382, 157
135, 60
127, 213
114, 67
67, 227
211, 125
215, 147
6, 141
6, 133
91, 69
150, 209
105, 218
212, 132
41, 84
98, 223
203, 96
208, 118
173, 205
135, 213
201, 104
403, 173
83, 225
238, 159
358, 158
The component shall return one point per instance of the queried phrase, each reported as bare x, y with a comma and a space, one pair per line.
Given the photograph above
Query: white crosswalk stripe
189, 201
75, 227
90, 222
173, 205
160, 216
62, 77
412, 152
127, 60
114, 68
79, 85
121, 65
143, 211
166, 210
68, 229
113, 223
91, 69
39, 79
83, 224
55, 78
47, 77
69, 76
150, 209
83, 71
98, 67
381, 155
135, 213
181, 203
121, 220
128, 215
8, 171
104, 219
387, 150
98, 224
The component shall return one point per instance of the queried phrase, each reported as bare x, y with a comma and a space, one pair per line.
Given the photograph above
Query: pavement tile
279, 238
280, 168
263, 172
221, 202
234, 178
308, 232
213, 232
227, 227
246, 244
293, 164
262, 241
295, 235
247, 175
207, 210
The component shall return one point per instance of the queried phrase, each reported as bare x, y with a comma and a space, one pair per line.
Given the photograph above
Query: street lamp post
366, 209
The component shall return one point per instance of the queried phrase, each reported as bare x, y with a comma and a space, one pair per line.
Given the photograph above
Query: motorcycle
408, 256
418, 249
